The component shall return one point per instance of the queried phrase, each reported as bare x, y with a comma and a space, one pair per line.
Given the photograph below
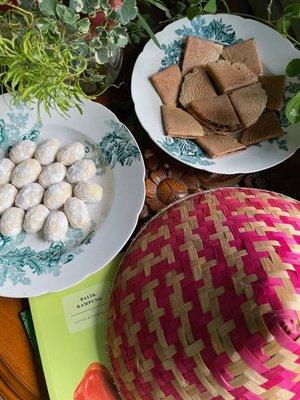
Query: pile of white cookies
46, 186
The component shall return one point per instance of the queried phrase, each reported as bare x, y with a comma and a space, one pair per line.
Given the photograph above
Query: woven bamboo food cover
206, 301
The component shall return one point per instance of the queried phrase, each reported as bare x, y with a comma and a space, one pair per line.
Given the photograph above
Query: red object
96, 384
98, 20
115, 4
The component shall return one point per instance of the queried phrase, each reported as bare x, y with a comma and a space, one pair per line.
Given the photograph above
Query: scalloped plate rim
57, 284
170, 29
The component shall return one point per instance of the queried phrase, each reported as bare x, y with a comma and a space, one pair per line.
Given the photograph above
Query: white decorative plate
29, 266
275, 51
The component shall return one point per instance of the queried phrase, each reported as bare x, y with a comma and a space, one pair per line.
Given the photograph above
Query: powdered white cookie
11, 221
22, 151
51, 174
6, 168
35, 218
57, 194
89, 192
56, 226
77, 213
71, 153
81, 171
26, 172
45, 154
29, 196
7, 196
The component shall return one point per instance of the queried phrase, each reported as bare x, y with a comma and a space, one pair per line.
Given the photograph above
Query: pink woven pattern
206, 302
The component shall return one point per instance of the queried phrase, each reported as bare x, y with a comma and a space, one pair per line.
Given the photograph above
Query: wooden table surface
21, 375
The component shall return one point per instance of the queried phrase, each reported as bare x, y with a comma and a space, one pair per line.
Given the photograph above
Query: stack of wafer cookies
220, 97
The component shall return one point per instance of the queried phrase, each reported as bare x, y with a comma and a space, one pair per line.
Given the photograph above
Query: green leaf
179, 8
192, 12
28, 4
211, 6
104, 5
44, 24
161, 6
283, 25
48, 7
292, 110
292, 11
60, 10
121, 37
148, 29
83, 26
69, 17
76, 5
293, 67
128, 11
95, 4
101, 55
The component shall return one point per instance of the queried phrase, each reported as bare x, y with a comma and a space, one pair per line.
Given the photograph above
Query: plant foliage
49, 48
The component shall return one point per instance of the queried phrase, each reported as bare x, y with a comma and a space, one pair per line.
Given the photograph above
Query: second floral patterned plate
29, 266
275, 51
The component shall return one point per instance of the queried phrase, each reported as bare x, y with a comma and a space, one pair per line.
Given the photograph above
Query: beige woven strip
194, 348
220, 390
276, 393
254, 387
162, 232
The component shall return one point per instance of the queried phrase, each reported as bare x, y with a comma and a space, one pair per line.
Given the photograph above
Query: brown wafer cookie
216, 113
167, 84
275, 88
180, 124
246, 53
196, 86
199, 52
267, 127
216, 145
228, 76
249, 103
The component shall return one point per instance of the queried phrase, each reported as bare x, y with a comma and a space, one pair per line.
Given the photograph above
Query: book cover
70, 330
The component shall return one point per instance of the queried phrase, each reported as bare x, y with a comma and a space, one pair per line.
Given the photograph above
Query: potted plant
58, 51
55, 51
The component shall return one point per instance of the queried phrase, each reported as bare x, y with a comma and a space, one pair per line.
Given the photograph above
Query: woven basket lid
206, 301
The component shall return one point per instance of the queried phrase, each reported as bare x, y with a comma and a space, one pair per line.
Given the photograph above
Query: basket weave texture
206, 302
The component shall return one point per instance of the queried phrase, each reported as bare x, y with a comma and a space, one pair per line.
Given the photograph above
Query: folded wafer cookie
199, 52
216, 145
228, 76
267, 127
167, 84
196, 86
249, 103
180, 124
274, 87
216, 113
246, 53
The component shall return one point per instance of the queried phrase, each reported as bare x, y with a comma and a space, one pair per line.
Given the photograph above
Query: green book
70, 330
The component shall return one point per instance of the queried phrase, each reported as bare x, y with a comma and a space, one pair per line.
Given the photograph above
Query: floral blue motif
15, 128
17, 260
115, 147
217, 31
186, 150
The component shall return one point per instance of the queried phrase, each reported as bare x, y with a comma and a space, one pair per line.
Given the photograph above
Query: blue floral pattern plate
29, 266
275, 51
